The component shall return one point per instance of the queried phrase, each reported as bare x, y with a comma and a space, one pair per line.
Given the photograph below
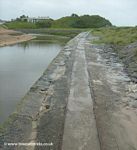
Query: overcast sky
119, 12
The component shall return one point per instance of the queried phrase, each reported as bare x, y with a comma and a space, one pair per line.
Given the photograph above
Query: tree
85, 21
44, 24
22, 18
74, 15
78, 24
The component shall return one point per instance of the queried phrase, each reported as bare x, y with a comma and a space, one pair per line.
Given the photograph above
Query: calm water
20, 66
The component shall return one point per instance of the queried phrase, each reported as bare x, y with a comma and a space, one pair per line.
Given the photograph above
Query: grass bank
123, 40
20, 25
120, 36
70, 32
52, 35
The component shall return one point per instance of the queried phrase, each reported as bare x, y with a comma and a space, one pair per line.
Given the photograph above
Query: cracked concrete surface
98, 118
115, 117
80, 131
83, 101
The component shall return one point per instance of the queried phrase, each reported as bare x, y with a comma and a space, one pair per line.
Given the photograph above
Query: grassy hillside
73, 21
65, 22
20, 25
85, 21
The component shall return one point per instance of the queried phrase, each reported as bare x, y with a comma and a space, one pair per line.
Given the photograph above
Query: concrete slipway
83, 101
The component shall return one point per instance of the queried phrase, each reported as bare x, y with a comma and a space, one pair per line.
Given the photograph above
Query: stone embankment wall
41, 113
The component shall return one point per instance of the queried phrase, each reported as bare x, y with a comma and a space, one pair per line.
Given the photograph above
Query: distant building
2, 21
34, 19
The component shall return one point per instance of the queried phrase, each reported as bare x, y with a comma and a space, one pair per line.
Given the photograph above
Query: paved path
99, 115
100, 99
114, 99
80, 131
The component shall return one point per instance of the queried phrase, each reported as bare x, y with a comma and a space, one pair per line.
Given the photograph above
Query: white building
36, 19
2, 21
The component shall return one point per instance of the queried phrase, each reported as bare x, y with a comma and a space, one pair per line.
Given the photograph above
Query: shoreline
46, 98
10, 37
55, 107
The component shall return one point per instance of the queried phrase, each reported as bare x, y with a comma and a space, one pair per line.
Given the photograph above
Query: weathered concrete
101, 112
80, 131
115, 117
41, 114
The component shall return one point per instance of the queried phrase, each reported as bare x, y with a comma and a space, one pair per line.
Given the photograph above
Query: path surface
99, 114
80, 131
83, 101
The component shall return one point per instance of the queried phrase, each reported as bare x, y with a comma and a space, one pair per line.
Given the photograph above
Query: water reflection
20, 66
37, 43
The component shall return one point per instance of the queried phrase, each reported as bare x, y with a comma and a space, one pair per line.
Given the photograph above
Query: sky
119, 12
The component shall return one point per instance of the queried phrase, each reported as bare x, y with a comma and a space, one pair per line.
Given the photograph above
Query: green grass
73, 21
53, 35
20, 25
120, 36
85, 21
60, 34
3, 26
71, 32
50, 35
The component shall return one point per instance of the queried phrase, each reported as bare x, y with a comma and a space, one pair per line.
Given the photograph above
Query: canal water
20, 66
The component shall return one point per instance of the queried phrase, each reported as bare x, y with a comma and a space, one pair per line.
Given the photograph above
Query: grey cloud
119, 12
